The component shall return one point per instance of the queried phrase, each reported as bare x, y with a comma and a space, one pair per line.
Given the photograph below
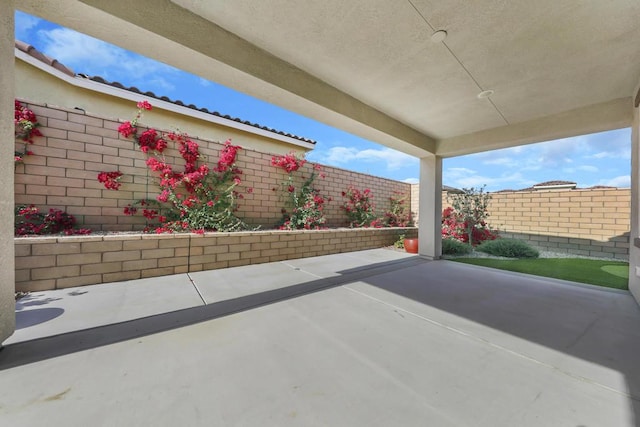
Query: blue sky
597, 159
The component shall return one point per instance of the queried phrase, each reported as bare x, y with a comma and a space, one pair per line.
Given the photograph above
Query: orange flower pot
411, 245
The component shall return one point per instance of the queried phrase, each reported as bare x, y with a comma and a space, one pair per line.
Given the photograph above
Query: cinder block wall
415, 197
590, 222
53, 262
76, 146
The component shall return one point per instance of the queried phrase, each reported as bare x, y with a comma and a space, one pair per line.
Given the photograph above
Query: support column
634, 238
7, 262
430, 205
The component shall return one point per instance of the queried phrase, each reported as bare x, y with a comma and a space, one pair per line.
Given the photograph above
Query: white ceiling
558, 68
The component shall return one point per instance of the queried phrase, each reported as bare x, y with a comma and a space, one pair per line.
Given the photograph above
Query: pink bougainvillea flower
130, 210
126, 129
227, 157
149, 213
149, 140
110, 179
144, 105
289, 162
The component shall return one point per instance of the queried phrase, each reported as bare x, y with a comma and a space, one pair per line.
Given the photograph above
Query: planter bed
56, 262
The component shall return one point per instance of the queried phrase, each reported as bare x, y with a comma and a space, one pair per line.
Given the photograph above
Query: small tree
471, 207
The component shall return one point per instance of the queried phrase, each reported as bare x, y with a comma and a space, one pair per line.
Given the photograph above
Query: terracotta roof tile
32, 51
35, 53
550, 183
194, 107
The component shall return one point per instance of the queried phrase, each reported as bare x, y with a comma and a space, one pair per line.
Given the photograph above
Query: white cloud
392, 159
502, 161
559, 152
24, 24
623, 181
91, 56
588, 168
411, 180
454, 173
204, 82
617, 154
466, 178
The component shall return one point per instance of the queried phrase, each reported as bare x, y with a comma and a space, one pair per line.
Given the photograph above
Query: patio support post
7, 262
430, 205
634, 238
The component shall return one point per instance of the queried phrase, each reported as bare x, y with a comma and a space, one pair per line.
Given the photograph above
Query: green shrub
400, 242
510, 248
455, 247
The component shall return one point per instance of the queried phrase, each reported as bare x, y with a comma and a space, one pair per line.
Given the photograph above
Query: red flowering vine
195, 199
150, 140
111, 180
289, 162
359, 208
26, 128
398, 215
127, 129
305, 202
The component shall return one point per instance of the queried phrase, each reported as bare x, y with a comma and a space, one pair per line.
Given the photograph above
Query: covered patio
389, 341
366, 338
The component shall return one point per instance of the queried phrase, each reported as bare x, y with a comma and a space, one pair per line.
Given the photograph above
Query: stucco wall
76, 146
634, 248
7, 299
42, 88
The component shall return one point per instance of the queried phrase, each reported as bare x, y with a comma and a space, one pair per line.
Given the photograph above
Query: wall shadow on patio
25, 319
572, 319
36, 350
598, 325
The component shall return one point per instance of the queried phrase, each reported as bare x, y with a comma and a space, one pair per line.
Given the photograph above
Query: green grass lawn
611, 274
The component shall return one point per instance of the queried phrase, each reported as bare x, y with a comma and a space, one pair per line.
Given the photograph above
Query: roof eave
106, 89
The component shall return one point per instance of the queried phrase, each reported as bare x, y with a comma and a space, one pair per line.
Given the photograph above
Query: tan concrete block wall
591, 222
44, 263
76, 146
415, 197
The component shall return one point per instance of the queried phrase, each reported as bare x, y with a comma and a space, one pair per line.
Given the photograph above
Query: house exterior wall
76, 146
53, 91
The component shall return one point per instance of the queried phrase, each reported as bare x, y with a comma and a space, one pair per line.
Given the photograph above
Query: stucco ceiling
557, 68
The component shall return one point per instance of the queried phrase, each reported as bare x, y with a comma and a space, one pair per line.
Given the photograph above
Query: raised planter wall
44, 263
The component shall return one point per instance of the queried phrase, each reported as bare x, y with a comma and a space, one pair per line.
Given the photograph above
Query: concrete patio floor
371, 338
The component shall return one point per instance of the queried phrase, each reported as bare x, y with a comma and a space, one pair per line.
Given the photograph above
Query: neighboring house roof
451, 189
554, 185
547, 185
600, 187
95, 81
